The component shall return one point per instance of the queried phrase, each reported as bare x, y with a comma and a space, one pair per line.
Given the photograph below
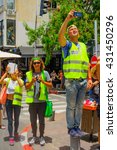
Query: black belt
76, 79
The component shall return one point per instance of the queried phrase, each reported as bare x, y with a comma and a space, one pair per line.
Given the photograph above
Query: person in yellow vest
37, 81
13, 103
77, 74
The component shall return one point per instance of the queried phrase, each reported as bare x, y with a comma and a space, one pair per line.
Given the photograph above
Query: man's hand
89, 84
71, 15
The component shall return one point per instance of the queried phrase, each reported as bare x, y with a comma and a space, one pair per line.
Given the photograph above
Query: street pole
74, 143
95, 35
35, 44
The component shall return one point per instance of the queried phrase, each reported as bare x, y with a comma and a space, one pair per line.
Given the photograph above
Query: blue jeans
75, 94
9, 110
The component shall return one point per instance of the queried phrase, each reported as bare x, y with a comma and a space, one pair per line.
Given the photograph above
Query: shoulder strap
8, 82
43, 74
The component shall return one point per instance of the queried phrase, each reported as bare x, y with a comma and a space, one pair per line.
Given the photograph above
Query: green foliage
48, 32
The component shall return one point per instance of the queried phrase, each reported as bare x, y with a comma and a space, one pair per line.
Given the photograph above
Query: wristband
89, 78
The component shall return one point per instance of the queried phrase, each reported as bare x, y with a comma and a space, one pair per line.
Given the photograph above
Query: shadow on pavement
6, 138
89, 138
48, 139
82, 148
64, 148
68, 148
93, 147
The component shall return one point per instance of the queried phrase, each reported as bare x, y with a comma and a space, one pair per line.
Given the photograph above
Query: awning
29, 51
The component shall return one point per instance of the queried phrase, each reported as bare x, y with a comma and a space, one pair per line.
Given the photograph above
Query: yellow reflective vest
17, 97
76, 63
30, 92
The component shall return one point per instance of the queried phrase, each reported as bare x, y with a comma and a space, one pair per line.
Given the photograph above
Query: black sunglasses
34, 63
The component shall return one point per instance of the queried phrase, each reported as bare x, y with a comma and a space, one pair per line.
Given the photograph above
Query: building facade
13, 13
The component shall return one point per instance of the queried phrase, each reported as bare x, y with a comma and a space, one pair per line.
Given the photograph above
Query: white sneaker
32, 141
42, 141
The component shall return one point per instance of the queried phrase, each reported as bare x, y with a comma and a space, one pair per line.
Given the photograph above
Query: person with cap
37, 82
13, 104
77, 74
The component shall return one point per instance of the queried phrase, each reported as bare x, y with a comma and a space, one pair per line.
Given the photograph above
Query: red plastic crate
89, 107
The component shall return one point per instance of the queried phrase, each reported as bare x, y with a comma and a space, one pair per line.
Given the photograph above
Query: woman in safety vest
37, 81
14, 86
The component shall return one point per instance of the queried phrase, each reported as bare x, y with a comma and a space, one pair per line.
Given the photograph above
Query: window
11, 30
10, 4
1, 32
1, 2
54, 5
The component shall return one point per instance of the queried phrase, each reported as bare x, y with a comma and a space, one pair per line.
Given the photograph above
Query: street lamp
34, 47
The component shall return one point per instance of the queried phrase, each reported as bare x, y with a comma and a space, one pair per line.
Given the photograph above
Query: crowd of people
76, 77
58, 80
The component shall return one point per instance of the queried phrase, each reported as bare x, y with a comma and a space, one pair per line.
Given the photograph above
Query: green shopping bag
49, 108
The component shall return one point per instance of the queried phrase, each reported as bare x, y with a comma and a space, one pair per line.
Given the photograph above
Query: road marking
58, 96
60, 111
59, 104
24, 139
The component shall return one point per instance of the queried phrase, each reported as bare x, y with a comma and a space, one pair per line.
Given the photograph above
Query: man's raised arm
61, 38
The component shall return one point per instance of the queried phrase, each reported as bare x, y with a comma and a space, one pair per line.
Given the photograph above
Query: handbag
49, 108
3, 95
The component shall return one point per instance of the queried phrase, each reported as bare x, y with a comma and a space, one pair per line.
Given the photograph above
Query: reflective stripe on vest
30, 92
76, 64
17, 98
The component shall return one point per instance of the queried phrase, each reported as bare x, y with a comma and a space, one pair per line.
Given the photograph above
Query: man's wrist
67, 19
89, 78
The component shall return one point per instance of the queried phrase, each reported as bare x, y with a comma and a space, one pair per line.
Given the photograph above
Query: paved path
55, 131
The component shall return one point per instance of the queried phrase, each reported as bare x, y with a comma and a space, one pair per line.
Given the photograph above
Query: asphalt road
55, 132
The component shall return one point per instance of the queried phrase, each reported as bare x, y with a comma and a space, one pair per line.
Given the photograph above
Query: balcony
11, 12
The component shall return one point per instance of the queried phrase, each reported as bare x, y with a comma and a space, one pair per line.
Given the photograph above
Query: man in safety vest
76, 71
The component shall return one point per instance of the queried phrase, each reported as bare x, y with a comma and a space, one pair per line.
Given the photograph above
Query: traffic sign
93, 61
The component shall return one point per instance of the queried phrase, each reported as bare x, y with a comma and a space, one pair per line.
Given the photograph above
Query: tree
48, 32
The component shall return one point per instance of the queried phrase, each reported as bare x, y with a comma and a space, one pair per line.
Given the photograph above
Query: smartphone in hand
78, 14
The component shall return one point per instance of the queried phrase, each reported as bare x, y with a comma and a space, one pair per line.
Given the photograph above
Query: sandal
2, 127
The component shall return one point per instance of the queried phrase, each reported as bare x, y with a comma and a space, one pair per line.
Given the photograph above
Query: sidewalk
55, 135
57, 138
